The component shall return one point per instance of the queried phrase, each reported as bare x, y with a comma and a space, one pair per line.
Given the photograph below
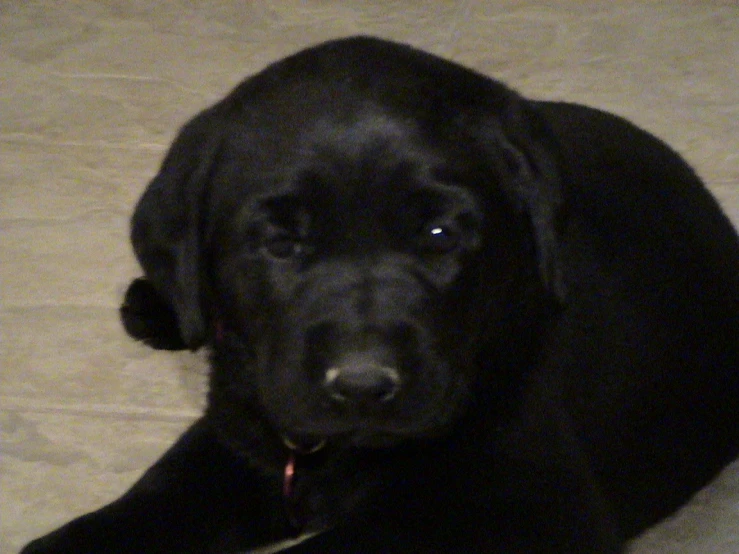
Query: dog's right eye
283, 246
440, 238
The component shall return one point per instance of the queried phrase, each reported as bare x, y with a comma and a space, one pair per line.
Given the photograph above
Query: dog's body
443, 319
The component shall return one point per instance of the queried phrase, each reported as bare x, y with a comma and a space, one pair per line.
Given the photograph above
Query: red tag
287, 484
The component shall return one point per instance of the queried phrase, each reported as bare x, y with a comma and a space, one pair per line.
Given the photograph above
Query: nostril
365, 383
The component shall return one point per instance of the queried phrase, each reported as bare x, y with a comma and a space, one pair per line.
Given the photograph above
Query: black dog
443, 318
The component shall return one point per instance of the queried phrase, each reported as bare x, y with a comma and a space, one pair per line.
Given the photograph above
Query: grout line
132, 78
21, 138
105, 412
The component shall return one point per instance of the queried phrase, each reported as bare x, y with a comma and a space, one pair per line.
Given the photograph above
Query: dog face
337, 219
341, 276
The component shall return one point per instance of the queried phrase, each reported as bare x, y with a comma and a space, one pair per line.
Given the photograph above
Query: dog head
347, 230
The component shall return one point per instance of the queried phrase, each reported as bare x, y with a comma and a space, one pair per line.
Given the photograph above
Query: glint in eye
440, 238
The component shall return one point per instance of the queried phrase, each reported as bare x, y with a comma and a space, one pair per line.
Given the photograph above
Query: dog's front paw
149, 318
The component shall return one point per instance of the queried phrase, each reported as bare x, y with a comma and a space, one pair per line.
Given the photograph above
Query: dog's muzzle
360, 369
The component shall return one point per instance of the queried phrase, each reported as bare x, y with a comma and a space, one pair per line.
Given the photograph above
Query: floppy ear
527, 155
148, 317
166, 234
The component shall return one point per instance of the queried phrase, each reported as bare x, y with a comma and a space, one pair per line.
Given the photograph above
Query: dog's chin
366, 436
307, 434
377, 440
359, 439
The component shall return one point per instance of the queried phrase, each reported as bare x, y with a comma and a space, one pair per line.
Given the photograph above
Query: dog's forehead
362, 147
324, 101
358, 133
358, 169
368, 146
325, 128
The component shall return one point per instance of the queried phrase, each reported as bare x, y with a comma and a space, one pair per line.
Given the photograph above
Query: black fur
148, 317
469, 322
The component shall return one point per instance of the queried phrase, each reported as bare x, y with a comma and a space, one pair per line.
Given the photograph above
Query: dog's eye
439, 237
283, 246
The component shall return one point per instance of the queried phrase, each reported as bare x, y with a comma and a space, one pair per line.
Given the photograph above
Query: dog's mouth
303, 445
309, 433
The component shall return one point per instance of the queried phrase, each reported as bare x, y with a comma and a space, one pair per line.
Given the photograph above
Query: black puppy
442, 318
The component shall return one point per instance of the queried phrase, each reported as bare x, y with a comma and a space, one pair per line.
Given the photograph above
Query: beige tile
55, 466
79, 260
291, 24
63, 29
95, 109
79, 359
62, 182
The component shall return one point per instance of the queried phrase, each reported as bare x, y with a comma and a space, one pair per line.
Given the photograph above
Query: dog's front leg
198, 498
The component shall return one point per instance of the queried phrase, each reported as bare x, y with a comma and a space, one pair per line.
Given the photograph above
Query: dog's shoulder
629, 186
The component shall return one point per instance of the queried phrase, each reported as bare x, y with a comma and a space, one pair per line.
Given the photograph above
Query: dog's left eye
439, 237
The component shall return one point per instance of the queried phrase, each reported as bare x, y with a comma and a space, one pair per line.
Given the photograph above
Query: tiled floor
92, 92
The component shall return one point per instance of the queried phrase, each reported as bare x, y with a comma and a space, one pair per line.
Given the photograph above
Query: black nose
363, 384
